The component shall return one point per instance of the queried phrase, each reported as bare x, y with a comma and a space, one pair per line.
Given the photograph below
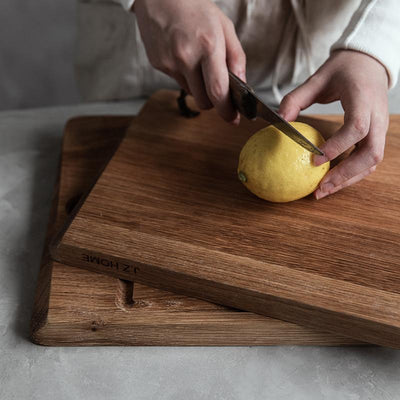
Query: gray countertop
29, 150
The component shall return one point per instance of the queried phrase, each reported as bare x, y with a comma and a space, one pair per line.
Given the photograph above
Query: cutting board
75, 307
169, 212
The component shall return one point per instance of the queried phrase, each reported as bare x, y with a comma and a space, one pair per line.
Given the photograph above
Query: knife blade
251, 106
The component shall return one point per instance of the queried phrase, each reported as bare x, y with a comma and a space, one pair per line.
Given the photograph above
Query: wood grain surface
75, 307
169, 212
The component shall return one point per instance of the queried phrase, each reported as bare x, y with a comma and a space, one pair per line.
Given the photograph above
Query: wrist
359, 57
361, 61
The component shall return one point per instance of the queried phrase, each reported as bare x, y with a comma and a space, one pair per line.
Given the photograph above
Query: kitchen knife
249, 105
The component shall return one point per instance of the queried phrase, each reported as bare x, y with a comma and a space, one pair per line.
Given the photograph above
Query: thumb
235, 56
300, 98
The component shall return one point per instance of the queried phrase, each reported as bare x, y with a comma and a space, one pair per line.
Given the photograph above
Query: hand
193, 42
360, 83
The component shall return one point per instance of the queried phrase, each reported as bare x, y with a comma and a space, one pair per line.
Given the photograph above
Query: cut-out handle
124, 295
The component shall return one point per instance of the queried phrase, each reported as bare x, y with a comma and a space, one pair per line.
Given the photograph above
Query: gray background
37, 40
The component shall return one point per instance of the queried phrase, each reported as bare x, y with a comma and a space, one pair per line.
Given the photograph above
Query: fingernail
324, 190
327, 187
319, 160
282, 114
319, 194
242, 76
236, 121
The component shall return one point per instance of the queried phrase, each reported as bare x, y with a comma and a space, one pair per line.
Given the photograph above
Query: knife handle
242, 97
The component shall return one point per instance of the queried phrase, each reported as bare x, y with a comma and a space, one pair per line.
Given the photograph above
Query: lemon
275, 168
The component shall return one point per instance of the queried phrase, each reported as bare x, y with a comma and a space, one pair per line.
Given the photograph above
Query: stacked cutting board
157, 246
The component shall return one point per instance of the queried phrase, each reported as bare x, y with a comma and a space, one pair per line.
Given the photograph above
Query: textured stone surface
29, 150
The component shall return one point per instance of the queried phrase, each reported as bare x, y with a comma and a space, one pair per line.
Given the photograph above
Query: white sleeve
374, 29
127, 4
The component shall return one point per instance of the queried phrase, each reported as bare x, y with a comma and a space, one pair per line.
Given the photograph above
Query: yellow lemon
277, 169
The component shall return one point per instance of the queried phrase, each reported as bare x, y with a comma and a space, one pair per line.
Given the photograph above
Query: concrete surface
29, 150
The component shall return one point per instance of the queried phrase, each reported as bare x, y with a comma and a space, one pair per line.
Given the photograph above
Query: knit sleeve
374, 29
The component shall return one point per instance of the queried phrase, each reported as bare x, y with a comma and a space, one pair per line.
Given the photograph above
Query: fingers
206, 72
188, 72
235, 56
197, 88
355, 128
347, 76
210, 83
216, 79
195, 48
301, 98
180, 79
368, 154
327, 189
216, 76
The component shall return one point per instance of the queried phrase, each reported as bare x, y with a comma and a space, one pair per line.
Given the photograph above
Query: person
347, 50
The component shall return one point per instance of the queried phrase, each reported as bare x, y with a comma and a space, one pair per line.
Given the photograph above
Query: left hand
360, 83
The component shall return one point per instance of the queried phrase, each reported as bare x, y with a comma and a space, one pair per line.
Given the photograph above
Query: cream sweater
284, 41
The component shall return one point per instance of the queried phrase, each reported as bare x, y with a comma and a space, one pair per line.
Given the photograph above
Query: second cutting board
169, 212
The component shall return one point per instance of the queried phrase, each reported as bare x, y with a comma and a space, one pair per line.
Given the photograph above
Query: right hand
195, 43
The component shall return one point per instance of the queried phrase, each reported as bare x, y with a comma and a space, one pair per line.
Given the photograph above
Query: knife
249, 104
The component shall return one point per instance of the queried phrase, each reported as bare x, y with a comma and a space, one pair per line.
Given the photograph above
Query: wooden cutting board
169, 212
75, 307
